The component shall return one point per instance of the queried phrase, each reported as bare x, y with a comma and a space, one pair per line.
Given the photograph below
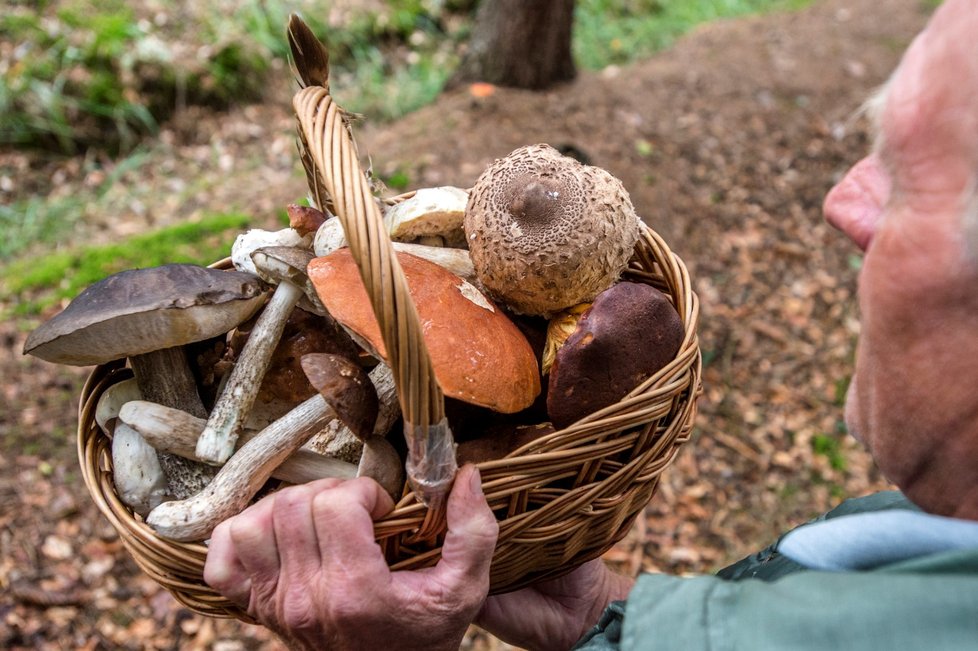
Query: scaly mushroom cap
479, 356
143, 310
628, 334
546, 232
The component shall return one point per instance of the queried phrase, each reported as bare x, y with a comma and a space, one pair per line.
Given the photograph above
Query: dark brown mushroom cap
143, 310
546, 232
630, 332
345, 387
478, 355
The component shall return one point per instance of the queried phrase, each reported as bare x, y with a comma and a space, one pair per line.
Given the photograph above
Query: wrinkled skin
304, 561
912, 206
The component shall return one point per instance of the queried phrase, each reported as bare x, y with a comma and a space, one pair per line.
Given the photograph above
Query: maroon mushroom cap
631, 331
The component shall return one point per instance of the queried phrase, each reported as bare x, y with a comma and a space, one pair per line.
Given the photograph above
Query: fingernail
475, 482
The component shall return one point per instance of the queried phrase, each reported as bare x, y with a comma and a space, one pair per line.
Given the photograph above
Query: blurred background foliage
77, 74
94, 80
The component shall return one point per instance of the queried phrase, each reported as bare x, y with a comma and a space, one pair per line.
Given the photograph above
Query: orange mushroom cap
478, 354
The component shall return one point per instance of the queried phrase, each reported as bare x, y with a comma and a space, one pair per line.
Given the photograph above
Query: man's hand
305, 564
554, 614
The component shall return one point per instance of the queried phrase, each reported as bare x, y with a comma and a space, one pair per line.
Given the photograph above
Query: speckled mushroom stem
217, 441
248, 469
241, 477
164, 377
174, 431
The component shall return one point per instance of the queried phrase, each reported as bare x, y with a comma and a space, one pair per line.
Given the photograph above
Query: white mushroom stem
136, 471
175, 431
251, 466
330, 237
218, 439
241, 477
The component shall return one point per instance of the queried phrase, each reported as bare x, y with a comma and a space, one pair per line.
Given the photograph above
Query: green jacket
886, 598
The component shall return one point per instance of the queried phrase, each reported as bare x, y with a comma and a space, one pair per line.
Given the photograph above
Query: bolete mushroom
546, 232
148, 315
330, 237
348, 390
478, 355
285, 267
432, 216
629, 333
136, 472
175, 431
247, 470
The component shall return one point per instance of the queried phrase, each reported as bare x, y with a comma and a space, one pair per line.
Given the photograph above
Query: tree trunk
520, 43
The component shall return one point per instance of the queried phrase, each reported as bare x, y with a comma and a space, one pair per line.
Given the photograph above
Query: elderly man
890, 571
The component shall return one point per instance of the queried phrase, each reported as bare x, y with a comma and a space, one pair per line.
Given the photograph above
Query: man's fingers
343, 520
223, 570
295, 533
253, 538
472, 533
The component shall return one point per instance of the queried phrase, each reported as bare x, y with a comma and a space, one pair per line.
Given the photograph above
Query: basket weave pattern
561, 500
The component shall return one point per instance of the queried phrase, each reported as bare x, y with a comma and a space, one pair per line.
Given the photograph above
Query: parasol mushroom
148, 315
546, 232
478, 355
347, 388
286, 267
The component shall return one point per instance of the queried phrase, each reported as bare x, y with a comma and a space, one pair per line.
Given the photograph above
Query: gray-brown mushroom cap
546, 232
143, 310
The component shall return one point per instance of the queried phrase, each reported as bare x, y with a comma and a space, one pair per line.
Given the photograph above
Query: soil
727, 143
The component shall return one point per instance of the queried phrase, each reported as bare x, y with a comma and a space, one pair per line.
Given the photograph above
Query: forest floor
727, 143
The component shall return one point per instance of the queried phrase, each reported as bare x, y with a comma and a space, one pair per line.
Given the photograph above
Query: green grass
830, 447
620, 31
39, 219
32, 285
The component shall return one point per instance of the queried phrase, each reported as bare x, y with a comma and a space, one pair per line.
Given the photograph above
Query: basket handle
337, 181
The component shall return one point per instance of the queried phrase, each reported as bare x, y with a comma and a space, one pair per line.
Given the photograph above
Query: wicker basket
561, 500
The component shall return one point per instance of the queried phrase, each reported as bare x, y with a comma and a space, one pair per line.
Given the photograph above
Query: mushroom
285, 384
478, 355
256, 238
304, 219
175, 431
433, 216
148, 315
561, 326
347, 389
630, 332
111, 401
546, 232
285, 266
136, 472
247, 470
330, 238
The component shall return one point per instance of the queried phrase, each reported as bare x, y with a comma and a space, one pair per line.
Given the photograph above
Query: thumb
472, 532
